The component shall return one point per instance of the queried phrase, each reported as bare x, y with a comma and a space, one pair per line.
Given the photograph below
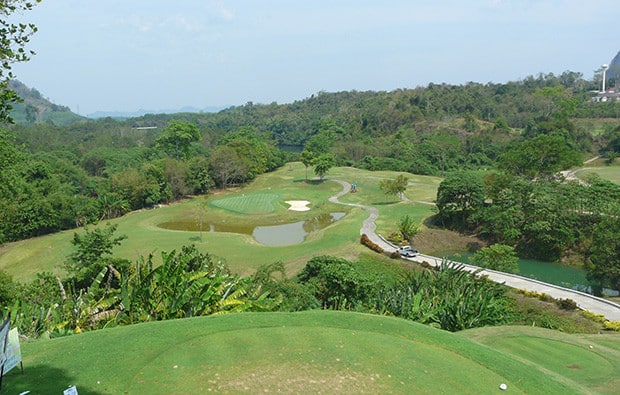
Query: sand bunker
298, 205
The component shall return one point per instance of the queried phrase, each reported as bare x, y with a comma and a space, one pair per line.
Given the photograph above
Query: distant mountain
37, 109
614, 69
141, 112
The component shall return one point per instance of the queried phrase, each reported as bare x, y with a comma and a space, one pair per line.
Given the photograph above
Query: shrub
395, 255
368, 243
336, 283
612, 325
7, 288
449, 298
600, 318
566, 304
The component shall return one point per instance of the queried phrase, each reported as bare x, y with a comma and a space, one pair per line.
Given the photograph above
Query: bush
449, 298
368, 243
600, 318
612, 325
336, 283
7, 288
566, 304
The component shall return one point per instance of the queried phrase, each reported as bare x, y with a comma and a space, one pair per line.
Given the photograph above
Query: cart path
584, 301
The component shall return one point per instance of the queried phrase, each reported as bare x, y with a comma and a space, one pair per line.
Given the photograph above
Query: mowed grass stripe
592, 361
306, 352
255, 203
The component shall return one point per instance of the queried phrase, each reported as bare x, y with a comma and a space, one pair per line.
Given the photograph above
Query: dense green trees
604, 266
459, 195
68, 182
544, 218
177, 138
541, 156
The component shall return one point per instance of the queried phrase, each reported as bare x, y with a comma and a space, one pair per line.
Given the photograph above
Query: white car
407, 251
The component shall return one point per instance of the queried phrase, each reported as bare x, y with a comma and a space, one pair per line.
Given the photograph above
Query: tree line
58, 177
549, 219
45, 189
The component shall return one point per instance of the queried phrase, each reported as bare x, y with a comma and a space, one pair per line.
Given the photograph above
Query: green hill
37, 109
311, 352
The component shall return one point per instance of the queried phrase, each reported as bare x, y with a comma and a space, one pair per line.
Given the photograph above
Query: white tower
605, 67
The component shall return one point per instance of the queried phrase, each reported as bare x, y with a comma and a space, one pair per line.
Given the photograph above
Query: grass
592, 361
311, 352
611, 173
260, 203
255, 203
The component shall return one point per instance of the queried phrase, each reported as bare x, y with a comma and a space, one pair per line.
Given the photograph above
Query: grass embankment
312, 352
260, 203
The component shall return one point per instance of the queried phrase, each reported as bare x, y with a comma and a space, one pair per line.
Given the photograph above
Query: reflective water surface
272, 235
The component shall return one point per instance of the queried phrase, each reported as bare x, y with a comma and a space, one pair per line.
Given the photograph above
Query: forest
498, 147
59, 177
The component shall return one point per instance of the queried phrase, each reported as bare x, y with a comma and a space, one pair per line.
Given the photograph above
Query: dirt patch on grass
440, 242
298, 379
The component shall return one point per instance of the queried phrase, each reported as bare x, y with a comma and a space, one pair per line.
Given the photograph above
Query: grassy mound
309, 352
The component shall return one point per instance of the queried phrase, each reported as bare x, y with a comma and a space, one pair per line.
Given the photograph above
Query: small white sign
13, 351
70, 391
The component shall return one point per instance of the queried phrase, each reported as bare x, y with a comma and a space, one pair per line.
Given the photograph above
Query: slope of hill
310, 352
614, 68
37, 109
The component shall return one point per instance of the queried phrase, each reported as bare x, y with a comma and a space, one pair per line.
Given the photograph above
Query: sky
120, 55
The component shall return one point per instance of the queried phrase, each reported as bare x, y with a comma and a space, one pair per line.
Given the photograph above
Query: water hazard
548, 272
271, 235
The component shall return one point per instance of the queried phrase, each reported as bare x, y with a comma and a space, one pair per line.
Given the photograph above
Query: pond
549, 272
270, 235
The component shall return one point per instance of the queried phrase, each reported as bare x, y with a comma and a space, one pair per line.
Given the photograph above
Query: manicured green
308, 352
256, 203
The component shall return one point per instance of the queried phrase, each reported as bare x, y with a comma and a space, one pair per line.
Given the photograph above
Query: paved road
584, 301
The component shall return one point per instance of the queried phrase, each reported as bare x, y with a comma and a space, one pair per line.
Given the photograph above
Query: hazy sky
153, 54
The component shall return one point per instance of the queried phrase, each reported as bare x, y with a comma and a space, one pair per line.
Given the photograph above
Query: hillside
37, 109
314, 352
